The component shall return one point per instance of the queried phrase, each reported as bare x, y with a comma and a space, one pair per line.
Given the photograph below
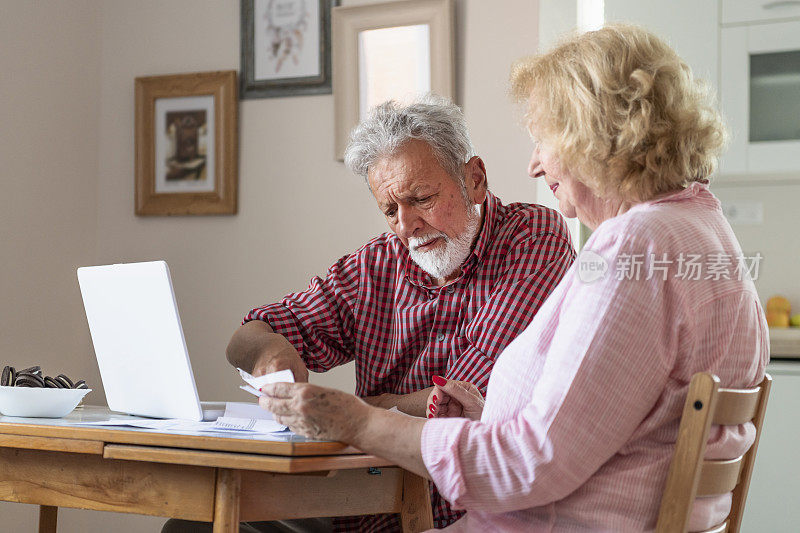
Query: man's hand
280, 355
450, 399
256, 348
315, 411
411, 404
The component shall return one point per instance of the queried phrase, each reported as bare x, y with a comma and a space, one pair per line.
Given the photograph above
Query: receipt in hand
255, 383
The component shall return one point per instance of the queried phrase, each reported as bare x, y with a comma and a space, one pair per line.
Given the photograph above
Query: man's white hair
432, 119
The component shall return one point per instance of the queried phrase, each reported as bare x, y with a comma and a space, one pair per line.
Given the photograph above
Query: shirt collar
694, 191
417, 276
489, 222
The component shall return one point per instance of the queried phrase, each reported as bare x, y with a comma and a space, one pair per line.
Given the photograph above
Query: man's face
432, 214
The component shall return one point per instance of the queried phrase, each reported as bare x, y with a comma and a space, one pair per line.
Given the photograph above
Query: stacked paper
239, 416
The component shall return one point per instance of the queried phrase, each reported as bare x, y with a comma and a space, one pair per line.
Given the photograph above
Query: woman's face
567, 190
574, 198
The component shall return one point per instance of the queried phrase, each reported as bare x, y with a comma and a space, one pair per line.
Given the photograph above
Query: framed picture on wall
391, 50
186, 144
285, 47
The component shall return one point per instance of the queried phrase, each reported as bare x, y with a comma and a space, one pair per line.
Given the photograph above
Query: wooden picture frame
285, 47
435, 17
186, 144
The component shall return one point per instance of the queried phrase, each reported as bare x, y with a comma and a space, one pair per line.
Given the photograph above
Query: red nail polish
440, 381
435, 399
432, 408
430, 415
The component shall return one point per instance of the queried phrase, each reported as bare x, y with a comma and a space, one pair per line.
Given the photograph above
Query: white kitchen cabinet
773, 503
760, 97
690, 27
750, 11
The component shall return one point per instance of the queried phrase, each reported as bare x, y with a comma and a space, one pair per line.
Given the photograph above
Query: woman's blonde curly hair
622, 112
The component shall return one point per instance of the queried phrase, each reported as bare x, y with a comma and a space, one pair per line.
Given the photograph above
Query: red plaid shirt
377, 307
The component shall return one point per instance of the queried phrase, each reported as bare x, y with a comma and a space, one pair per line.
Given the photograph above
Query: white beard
444, 260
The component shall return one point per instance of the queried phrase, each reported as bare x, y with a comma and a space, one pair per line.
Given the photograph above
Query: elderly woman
582, 409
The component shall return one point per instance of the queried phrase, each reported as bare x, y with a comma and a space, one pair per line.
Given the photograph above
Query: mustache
416, 242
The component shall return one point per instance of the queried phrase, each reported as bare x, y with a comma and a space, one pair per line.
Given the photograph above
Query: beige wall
49, 89
67, 155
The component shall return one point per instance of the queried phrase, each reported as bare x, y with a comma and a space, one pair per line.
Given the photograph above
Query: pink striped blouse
582, 409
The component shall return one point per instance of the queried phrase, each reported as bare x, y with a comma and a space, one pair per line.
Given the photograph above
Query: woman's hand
314, 411
450, 398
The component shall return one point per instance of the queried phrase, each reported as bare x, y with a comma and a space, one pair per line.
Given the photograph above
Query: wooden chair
689, 475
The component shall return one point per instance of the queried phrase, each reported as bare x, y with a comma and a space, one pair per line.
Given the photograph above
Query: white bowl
39, 402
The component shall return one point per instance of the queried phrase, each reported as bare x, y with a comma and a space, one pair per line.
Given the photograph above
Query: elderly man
457, 278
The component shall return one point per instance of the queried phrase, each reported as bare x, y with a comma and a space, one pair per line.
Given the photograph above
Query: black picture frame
250, 88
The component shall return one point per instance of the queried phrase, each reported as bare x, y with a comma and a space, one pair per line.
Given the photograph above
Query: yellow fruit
779, 304
777, 319
795, 320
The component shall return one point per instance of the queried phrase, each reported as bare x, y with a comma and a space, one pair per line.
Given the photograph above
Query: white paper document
246, 410
238, 417
255, 383
243, 416
247, 425
174, 424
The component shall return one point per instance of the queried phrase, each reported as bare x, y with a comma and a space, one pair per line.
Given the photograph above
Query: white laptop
139, 343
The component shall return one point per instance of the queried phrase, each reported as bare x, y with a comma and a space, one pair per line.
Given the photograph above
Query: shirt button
440, 337
450, 290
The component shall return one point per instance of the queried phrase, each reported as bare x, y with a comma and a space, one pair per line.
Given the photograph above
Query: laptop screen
138, 340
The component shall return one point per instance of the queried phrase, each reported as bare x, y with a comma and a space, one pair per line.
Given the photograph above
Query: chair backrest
691, 476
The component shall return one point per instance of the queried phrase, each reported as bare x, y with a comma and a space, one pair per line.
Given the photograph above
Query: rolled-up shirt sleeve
318, 321
604, 369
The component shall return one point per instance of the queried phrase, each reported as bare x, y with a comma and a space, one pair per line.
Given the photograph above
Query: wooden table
195, 476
